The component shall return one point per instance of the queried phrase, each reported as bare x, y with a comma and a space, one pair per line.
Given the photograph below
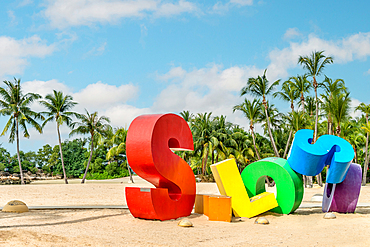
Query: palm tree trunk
270, 133
254, 142
61, 155
19, 157
366, 158
287, 144
129, 172
319, 179
330, 127
302, 101
338, 130
88, 163
317, 111
204, 166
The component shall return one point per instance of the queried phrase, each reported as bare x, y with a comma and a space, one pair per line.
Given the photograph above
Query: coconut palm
17, 105
203, 131
295, 121
315, 64
118, 142
187, 116
92, 124
252, 111
298, 120
59, 106
339, 107
260, 87
365, 109
330, 88
301, 85
310, 105
287, 93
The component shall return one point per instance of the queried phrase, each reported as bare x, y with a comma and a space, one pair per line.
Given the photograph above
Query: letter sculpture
309, 159
289, 185
304, 158
230, 183
150, 139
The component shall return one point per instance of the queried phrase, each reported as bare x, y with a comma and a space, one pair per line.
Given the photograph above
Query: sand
117, 227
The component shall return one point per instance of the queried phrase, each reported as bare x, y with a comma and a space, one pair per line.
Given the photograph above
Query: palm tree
203, 131
340, 109
187, 116
310, 105
287, 93
314, 65
295, 121
90, 123
119, 147
252, 111
260, 87
302, 86
331, 88
365, 109
59, 106
16, 105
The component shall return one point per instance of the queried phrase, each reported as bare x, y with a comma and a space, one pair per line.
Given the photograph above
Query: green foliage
97, 166
74, 157
112, 168
2, 166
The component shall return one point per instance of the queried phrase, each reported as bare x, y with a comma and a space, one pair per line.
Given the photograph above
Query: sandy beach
117, 227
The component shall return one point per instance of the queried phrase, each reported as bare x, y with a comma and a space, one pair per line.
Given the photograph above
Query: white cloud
176, 72
222, 8
212, 89
65, 13
242, 2
292, 33
368, 72
345, 50
14, 53
96, 51
12, 17
25, 2
354, 103
170, 9
100, 96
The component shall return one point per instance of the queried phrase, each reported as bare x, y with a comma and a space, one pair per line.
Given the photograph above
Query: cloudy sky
124, 58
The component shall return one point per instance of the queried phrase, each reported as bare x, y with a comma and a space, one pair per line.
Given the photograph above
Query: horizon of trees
215, 139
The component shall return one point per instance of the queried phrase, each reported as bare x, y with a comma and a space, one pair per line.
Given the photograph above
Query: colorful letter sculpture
309, 159
150, 139
289, 185
346, 193
229, 183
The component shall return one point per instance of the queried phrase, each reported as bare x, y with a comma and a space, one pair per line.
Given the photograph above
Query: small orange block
199, 204
216, 207
219, 208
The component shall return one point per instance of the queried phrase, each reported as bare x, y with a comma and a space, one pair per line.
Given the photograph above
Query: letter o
289, 184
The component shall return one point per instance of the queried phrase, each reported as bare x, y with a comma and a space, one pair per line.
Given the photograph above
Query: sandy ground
116, 227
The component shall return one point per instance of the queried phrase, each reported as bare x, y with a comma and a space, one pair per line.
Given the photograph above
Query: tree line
16, 105
317, 102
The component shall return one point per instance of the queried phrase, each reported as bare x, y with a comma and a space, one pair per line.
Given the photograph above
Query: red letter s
150, 140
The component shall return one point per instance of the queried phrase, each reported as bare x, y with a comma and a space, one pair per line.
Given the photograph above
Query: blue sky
127, 58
